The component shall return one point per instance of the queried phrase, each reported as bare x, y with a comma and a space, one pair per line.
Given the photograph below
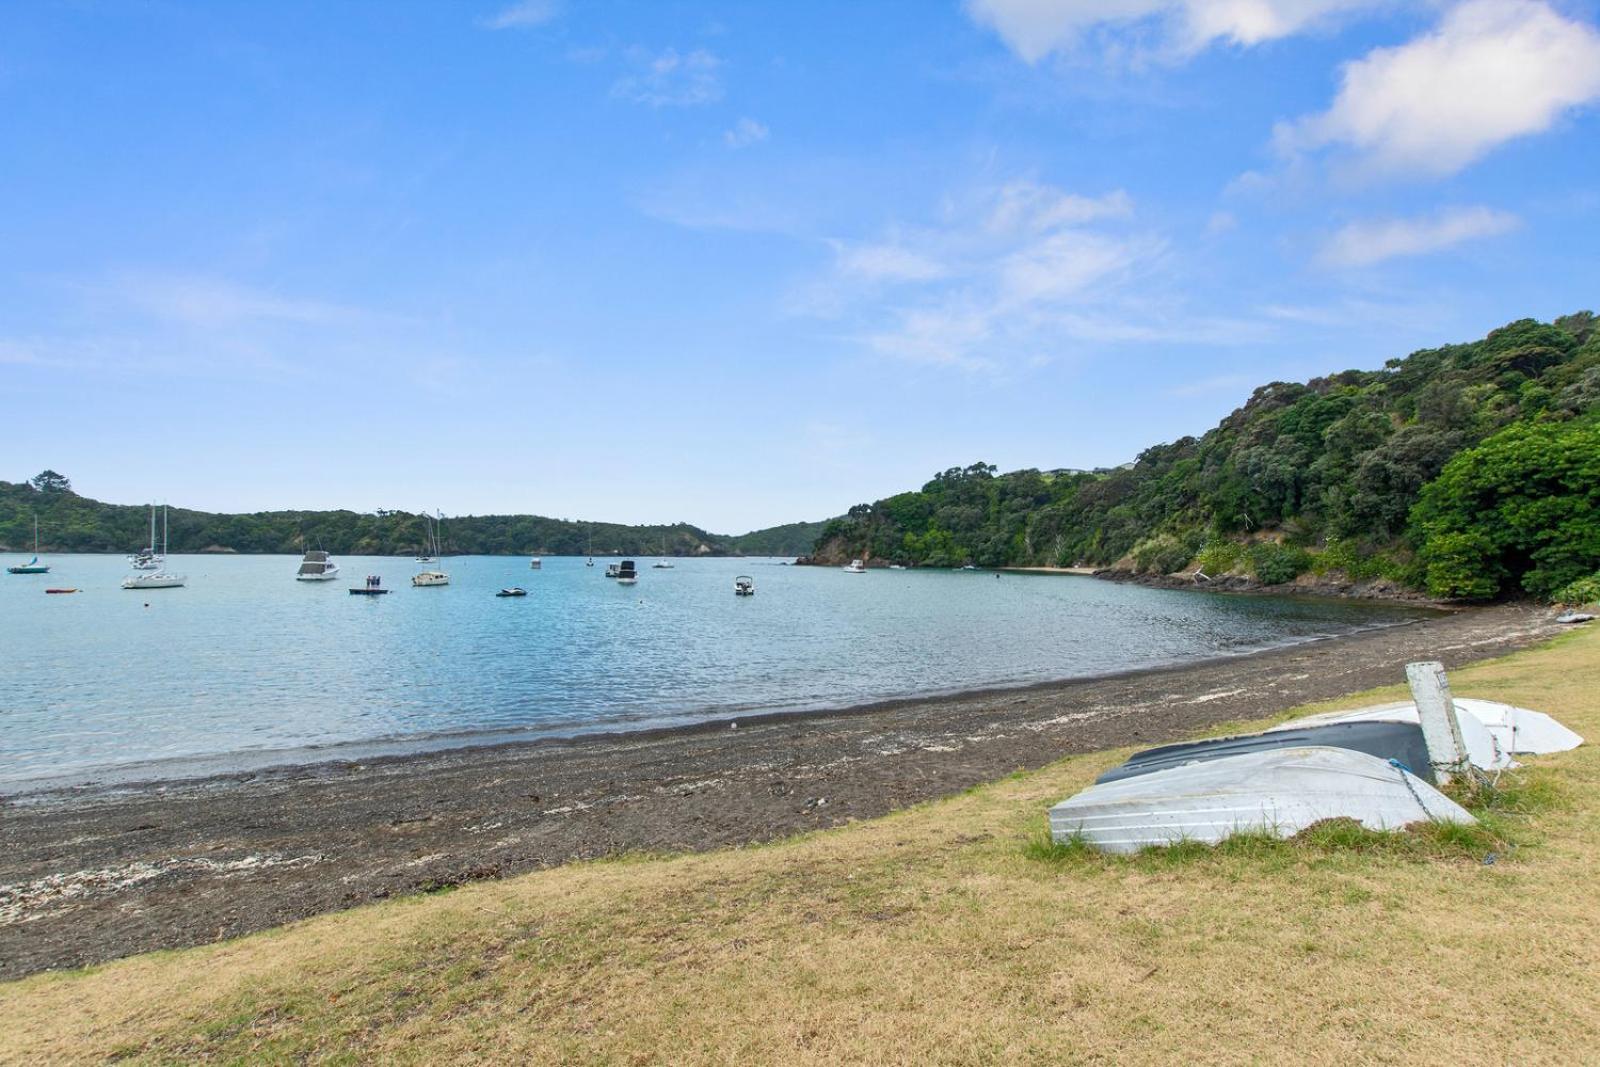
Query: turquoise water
245, 666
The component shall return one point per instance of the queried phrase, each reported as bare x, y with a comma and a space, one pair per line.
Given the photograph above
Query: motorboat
535, 563
1487, 727
33, 566
146, 559
430, 578
1401, 741
612, 570
662, 565
744, 585
856, 566
626, 575
515, 590
373, 587
1279, 791
317, 567
160, 578
590, 563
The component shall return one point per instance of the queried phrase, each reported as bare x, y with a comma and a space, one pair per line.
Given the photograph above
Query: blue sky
746, 263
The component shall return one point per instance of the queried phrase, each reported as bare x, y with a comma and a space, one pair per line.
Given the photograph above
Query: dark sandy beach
88, 875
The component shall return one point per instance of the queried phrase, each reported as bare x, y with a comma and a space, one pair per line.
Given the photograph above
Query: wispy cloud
523, 15
1007, 276
1491, 71
1221, 383
210, 302
1150, 29
1370, 241
671, 79
745, 132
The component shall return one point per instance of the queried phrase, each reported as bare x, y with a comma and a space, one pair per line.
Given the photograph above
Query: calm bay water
248, 667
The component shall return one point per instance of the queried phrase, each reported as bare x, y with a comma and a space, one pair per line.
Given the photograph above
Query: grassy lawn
942, 934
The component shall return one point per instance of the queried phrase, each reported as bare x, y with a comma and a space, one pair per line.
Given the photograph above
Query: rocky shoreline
91, 874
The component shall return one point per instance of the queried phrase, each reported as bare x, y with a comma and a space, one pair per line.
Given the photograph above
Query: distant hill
72, 523
1469, 470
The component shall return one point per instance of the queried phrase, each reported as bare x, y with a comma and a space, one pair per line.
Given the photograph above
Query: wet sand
92, 874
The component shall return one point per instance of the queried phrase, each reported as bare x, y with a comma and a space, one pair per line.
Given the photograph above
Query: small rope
1405, 776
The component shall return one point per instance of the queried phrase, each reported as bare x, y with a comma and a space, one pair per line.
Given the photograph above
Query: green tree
1522, 507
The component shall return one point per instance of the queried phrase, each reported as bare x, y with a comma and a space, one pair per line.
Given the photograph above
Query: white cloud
524, 15
671, 79
745, 132
1364, 243
885, 262
1491, 71
1172, 28
1011, 275
206, 302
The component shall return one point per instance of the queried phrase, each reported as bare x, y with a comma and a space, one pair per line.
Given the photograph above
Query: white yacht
535, 563
436, 545
856, 567
317, 567
626, 574
160, 578
146, 559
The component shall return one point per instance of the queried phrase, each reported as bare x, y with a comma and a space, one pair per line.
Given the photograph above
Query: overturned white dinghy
1280, 791
1512, 730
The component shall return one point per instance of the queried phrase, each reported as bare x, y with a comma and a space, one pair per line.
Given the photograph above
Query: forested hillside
1470, 470
72, 523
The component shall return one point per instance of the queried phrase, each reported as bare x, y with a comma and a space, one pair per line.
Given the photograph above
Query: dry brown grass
930, 936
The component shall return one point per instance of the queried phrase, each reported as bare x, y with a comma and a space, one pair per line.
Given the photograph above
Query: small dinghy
1486, 725
1386, 740
60, 590
1279, 791
515, 590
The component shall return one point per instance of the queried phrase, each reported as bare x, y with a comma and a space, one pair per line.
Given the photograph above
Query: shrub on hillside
1274, 564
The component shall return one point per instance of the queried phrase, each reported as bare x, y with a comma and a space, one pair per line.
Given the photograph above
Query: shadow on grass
1504, 806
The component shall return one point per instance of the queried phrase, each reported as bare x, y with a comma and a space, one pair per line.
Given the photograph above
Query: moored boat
744, 585
626, 574
160, 578
515, 590
317, 567
535, 563
33, 566
856, 566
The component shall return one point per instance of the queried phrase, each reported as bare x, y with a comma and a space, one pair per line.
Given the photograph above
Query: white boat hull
155, 581
1280, 792
325, 576
427, 578
1510, 730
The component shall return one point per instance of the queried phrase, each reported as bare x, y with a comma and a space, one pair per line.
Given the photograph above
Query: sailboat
146, 559
663, 564
432, 577
161, 579
33, 566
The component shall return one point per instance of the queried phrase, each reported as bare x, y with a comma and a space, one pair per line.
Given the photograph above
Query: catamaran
33, 566
160, 579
